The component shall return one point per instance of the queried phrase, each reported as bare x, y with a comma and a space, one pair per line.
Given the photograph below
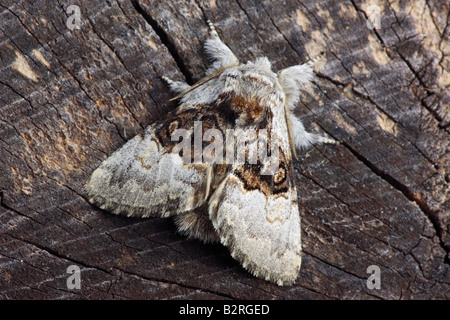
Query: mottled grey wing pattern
257, 218
145, 178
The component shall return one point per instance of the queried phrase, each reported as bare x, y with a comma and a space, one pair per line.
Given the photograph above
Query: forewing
145, 178
257, 218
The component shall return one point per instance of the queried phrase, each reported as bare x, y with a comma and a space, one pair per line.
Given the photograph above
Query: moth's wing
257, 218
144, 178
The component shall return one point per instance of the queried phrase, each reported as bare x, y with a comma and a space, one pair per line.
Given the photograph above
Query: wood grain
69, 98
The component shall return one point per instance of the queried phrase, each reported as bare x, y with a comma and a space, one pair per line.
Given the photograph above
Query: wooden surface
69, 98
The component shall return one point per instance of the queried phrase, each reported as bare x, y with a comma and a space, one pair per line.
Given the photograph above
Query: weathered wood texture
69, 98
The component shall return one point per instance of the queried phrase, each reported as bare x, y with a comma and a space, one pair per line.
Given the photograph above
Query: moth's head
255, 78
255, 89
259, 73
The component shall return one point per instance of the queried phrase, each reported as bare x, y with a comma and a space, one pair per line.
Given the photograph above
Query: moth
165, 171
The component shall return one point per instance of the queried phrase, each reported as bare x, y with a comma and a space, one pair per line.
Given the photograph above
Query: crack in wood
165, 40
411, 196
416, 73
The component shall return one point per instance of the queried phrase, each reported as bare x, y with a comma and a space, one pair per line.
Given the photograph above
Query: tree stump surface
69, 98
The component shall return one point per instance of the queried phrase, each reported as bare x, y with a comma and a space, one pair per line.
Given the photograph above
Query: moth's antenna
287, 115
213, 75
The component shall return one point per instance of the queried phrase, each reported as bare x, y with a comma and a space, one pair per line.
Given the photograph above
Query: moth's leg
293, 77
303, 138
176, 86
218, 51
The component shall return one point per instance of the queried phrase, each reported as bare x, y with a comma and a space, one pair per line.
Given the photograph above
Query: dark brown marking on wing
271, 185
212, 116
250, 111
